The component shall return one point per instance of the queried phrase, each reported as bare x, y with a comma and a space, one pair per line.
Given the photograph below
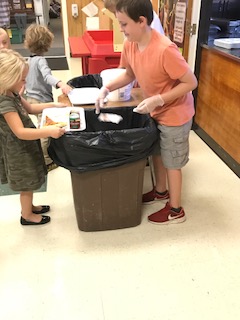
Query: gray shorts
174, 145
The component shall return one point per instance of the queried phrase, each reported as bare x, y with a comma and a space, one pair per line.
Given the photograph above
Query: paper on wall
92, 23
90, 9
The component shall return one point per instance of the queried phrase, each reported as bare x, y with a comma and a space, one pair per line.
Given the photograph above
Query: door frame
190, 40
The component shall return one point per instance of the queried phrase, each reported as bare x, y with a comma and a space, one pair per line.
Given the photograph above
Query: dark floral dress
22, 163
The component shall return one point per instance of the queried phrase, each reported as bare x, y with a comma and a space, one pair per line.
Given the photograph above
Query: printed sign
179, 24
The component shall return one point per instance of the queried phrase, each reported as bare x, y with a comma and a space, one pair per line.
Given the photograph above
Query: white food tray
62, 115
228, 43
82, 96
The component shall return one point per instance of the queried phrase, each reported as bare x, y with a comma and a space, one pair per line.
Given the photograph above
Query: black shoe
24, 222
44, 209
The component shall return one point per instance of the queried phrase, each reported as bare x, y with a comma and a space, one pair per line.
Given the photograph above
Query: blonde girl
21, 160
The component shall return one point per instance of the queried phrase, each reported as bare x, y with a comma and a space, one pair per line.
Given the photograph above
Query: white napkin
110, 117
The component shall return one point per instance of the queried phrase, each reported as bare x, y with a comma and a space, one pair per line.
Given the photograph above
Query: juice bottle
74, 120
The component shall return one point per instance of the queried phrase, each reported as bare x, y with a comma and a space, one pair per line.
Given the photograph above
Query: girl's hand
59, 105
55, 132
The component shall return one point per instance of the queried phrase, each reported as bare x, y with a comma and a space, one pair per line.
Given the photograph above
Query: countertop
232, 53
136, 98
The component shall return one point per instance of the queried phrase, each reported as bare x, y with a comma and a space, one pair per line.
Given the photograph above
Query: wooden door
189, 29
175, 16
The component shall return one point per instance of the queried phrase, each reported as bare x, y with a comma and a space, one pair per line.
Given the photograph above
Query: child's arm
36, 108
64, 87
50, 79
187, 83
122, 80
16, 125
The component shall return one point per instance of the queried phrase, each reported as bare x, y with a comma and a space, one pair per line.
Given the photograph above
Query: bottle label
74, 120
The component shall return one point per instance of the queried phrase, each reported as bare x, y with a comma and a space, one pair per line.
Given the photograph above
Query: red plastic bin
96, 65
96, 50
100, 43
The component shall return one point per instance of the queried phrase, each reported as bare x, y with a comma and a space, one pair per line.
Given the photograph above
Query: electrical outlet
74, 10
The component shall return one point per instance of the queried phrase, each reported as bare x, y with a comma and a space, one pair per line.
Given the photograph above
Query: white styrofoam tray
62, 115
228, 43
81, 96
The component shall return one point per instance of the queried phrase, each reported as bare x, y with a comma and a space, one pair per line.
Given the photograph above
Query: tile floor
187, 271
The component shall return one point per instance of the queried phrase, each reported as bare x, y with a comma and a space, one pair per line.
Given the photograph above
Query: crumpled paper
110, 117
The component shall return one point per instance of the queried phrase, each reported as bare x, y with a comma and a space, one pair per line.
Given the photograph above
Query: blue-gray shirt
39, 81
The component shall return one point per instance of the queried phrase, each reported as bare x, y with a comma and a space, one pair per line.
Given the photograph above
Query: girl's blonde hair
4, 32
12, 65
38, 39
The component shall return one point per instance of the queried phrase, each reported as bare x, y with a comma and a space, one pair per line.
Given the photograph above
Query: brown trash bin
110, 198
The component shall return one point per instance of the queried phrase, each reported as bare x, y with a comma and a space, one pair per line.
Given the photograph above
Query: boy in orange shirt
166, 82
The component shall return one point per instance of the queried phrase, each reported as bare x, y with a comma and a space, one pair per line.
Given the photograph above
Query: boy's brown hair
38, 39
136, 8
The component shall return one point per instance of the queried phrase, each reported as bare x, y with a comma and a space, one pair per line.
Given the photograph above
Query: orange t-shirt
157, 69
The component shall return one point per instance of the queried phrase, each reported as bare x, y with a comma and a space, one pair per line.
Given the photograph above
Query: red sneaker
167, 216
152, 196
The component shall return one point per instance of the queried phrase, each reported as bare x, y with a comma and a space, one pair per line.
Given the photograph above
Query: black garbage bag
89, 80
104, 145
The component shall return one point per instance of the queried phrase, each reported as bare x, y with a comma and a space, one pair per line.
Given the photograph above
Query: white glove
100, 99
149, 104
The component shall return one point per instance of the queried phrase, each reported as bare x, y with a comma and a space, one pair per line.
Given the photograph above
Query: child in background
156, 23
22, 164
39, 82
5, 43
4, 39
110, 5
166, 82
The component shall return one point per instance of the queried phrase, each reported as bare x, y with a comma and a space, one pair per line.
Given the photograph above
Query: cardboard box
118, 37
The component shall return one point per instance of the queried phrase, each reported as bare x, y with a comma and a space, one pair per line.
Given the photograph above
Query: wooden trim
187, 36
155, 4
218, 112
